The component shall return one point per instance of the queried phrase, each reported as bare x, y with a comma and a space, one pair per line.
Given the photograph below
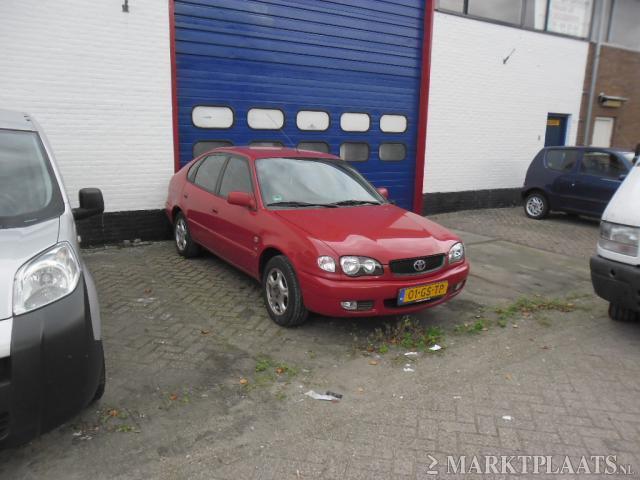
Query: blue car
578, 180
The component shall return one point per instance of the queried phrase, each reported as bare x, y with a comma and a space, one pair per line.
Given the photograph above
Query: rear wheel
621, 314
536, 205
282, 294
184, 243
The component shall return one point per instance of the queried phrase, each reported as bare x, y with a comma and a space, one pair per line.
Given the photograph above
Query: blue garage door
341, 76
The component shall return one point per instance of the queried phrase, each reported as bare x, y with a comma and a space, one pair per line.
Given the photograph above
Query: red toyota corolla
314, 232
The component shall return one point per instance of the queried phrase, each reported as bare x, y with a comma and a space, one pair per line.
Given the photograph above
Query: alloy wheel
277, 291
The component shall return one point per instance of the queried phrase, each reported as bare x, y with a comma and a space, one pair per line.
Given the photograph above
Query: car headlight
358, 266
326, 263
48, 277
456, 253
619, 238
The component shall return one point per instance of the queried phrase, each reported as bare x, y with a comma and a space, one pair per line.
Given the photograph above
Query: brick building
444, 102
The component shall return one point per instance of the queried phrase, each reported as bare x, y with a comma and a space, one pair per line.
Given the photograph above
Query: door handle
185, 195
213, 210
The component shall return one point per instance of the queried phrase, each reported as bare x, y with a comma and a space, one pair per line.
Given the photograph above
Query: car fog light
349, 305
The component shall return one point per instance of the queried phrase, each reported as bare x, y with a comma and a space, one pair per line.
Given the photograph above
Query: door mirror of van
242, 199
91, 203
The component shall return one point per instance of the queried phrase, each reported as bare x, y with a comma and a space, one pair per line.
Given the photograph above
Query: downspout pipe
594, 75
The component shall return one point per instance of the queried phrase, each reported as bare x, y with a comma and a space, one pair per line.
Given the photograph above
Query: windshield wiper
300, 204
346, 203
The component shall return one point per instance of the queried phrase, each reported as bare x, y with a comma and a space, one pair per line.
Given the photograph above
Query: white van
615, 270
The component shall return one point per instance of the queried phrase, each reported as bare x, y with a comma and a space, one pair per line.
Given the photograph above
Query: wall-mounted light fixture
610, 101
125, 6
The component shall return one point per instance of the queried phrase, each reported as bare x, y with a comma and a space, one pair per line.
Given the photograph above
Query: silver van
51, 356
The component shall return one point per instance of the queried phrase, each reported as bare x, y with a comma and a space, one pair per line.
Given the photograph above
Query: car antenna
281, 129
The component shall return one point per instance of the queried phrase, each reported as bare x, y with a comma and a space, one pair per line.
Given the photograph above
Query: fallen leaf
360, 390
545, 347
243, 381
147, 290
515, 326
173, 397
373, 362
205, 332
279, 370
508, 376
113, 412
370, 349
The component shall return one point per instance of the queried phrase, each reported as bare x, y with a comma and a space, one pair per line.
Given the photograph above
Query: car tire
621, 314
282, 294
101, 385
182, 238
536, 205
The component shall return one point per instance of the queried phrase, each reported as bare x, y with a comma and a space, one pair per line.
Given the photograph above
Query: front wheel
282, 294
536, 205
621, 314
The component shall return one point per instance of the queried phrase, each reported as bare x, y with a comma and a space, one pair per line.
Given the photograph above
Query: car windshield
312, 182
28, 190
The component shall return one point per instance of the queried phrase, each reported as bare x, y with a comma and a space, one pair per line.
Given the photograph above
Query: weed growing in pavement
408, 334
269, 371
478, 326
526, 307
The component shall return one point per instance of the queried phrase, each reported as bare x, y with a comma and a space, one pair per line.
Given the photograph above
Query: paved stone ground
181, 334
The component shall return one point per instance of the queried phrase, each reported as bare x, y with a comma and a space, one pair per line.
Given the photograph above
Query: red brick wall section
618, 75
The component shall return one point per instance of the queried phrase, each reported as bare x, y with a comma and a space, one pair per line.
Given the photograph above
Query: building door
556, 135
339, 77
602, 132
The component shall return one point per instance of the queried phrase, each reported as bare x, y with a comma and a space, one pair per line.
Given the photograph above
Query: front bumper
53, 370
324, 296
616, 282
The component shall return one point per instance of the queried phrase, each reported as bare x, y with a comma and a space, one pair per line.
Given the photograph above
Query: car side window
602, 164
561, 160
237, 177
209, 171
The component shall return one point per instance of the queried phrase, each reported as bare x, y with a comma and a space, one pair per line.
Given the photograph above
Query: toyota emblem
419, 265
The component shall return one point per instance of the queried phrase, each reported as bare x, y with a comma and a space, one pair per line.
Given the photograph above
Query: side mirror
91, 203
384, 192
242, 199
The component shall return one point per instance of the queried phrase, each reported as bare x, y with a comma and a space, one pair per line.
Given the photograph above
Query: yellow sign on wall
553, 122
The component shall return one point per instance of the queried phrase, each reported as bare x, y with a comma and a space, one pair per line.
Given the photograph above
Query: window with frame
312, 120
265, 118
602, 164
392, 152
355, 122
322, 147
561, 160
354, 151
201, 147
204, 116
236, 178
393, 123
508, 11
266, 143
208, 172
625, 23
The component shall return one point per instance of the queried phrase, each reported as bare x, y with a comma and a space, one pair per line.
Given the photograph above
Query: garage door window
314, 146
212, 117
354, 151
265, 119
355, 122
392, 152
266, 143
312, 120
393, 123
201, 147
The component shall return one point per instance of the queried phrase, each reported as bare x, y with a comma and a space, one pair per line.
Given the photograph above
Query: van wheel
184, 243
621, 314
536, 205
282, 294
101, 385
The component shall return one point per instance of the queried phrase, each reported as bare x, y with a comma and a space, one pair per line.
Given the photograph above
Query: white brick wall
99, 81
487, 119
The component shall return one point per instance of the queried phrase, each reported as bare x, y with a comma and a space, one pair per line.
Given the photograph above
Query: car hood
383, 232
17, 246
623, 207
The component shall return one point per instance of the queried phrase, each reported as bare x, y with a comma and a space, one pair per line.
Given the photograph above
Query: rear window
561, 160
29, 191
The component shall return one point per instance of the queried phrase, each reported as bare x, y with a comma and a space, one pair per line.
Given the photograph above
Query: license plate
422, 293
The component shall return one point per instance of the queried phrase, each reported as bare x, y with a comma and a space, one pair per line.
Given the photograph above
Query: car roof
274, 152
12, 120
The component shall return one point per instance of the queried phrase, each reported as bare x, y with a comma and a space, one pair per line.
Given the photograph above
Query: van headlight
50, 276
619, 238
